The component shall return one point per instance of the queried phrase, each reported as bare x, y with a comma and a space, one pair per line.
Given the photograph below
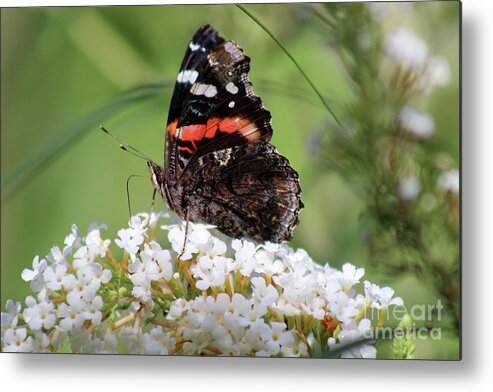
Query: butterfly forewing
215, 101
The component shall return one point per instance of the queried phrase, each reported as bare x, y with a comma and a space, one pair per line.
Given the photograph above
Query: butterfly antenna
126, 147
128, 192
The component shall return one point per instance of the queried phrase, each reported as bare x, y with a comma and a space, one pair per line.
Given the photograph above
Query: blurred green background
59, 65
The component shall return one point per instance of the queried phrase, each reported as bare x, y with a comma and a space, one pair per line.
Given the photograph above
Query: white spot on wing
194, 47
187, 76
231, 88
230, 47
223, 156
231, 104
211, 91
208, 90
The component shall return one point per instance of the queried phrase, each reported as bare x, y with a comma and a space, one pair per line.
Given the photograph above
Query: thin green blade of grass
293, 60
289, 91
68, 136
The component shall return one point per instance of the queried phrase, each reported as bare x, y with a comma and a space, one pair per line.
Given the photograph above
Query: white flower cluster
417, 70
411, 53
232, 326
419, 124
449, 181
209, 297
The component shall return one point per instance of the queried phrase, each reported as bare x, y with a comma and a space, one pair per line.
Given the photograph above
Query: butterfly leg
186, 235
153, 202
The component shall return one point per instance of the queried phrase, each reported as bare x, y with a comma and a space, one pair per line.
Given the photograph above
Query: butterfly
220, 167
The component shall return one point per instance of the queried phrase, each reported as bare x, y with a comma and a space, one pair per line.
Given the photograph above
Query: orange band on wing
171, 128
185, 148
193, 132
197, 132
243, 126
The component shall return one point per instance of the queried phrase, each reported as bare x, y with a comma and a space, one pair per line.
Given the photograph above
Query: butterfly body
220, 167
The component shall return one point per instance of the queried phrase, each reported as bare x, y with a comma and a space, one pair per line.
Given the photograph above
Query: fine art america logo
421, 322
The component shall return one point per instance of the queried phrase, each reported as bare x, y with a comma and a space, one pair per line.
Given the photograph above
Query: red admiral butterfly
220, 167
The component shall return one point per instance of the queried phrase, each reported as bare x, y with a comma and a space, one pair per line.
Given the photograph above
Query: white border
112, 373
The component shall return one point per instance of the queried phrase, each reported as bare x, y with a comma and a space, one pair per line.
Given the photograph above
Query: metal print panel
288, 185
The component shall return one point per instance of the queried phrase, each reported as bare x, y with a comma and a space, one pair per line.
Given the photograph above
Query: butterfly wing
213, 104
247, 191
220, 167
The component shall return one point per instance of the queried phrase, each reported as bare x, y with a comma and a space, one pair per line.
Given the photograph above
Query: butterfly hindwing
246, 191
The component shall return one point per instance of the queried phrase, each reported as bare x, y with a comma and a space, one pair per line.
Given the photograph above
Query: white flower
56, 277
436, 74
84, 307
155, 264
133, 340
160, 260
82, 257
103, 275
11, 316
35, 276
138, 223
93, 310
349, 276
198, 342
239, 305
141, 279
267, 260
265, 294
57, 337
56, 256
342, 307
449, 181
286, 308
409, 187
406, 48
197, 239
347, 337
277, 337
84, 289
71, 314
210, 272
245, 260
16, 340
72, 240
177, 308
97, 247
380, 297
109, 344
298, 284
314, 306
418, 124
38, 315
41, 343
250, 315
157, 342
296, 349
256, 335
155, 216
129, 240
